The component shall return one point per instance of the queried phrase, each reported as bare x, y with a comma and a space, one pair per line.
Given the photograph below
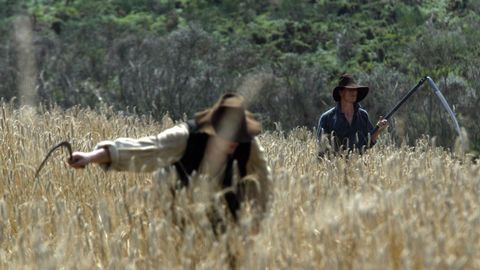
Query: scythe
440, 96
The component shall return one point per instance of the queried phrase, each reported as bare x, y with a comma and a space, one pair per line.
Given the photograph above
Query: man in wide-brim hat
210, 144
347, 126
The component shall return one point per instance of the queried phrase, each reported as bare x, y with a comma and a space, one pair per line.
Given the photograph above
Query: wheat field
392, 208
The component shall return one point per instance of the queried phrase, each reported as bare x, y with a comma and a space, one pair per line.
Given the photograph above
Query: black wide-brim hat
347, 81
229, 119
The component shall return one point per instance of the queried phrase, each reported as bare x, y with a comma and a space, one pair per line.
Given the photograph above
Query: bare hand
79, 160
382, 123
82, 159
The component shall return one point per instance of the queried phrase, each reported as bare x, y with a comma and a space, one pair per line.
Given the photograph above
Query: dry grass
392, 208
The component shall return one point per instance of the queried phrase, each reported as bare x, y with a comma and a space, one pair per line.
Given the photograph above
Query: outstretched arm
81, 159
141, 155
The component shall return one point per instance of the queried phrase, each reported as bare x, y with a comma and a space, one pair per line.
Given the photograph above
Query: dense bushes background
157, 56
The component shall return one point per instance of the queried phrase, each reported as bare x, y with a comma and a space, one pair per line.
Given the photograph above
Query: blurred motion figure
212, 143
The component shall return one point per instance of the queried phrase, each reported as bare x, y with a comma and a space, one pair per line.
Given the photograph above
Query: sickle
65, 144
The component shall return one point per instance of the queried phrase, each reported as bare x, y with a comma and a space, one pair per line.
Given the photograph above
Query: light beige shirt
151, 153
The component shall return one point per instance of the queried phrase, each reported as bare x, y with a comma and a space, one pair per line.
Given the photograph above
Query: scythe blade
446, 106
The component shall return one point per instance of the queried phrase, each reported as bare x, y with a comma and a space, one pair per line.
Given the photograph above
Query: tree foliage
178, 56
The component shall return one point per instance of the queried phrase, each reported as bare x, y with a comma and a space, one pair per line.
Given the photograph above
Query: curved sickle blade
446, 106
65, 144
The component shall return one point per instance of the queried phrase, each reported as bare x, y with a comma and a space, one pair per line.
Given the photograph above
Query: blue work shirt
346, 136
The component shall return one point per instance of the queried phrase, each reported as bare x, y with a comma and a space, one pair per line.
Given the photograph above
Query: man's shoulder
179, 132
362, 111
329, 112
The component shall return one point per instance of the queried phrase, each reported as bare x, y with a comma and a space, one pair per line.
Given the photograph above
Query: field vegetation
396, 207
85, 71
